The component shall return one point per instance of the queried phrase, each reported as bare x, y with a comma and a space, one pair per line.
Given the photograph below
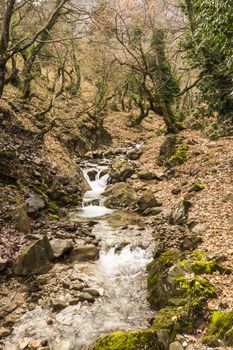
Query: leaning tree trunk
2, 73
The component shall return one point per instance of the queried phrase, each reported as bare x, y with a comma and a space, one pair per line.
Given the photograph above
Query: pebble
87, 297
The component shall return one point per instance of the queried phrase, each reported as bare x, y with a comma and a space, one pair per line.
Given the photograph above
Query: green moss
119, 165
202, 266
165, 260
197, 187
220, 328
53, 217
180, 155
198, 288
139, 340
53, 207
42, 194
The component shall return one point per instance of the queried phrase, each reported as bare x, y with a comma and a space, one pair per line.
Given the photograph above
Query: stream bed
119, 275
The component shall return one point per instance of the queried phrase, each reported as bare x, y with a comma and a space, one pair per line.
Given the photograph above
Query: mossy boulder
173, 152
180, 156
220, 329
140, 340
121, 195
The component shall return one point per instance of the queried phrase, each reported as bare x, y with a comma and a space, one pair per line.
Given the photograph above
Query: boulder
85, 253
35, 259
60, 247
147, 200
120, 195
34, 204
92, 174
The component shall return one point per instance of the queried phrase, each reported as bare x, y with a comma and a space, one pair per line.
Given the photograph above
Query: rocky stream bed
113, 274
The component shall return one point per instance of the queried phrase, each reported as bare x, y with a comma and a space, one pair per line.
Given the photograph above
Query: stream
119, 275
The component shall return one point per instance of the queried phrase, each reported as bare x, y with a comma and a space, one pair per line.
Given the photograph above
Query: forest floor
209, 162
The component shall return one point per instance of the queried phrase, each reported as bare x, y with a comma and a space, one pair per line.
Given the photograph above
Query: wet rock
3, 264
147, 200
120, 195
92, 174
94, 292
178, 215
176, 346
58, 305
87, 297
4, 332
35, 259
60, 247
85, 253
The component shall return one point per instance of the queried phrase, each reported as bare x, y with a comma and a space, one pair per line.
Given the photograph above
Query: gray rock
176, 346
35, 259
87, 297
153, 211
34, 204
58, 305
60, 247
147, 200
146, 175
92, 291
85, 253
134, 154
3, 264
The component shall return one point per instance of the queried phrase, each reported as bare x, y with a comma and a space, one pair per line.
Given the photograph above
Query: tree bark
8, 9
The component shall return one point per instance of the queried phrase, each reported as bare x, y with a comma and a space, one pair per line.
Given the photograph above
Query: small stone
4, 332
176, 190
50, 321
93, 292
77, 286
58, 305
176, 346
87, 297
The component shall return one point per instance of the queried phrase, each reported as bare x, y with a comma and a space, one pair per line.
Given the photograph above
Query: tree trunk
2, 73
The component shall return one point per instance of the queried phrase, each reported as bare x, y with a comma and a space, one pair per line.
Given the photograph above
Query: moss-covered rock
197, 187
220, 329
180, 156
121, 195
140, 340
201, 266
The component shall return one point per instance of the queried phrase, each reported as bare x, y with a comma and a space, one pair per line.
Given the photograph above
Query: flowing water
119, 274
